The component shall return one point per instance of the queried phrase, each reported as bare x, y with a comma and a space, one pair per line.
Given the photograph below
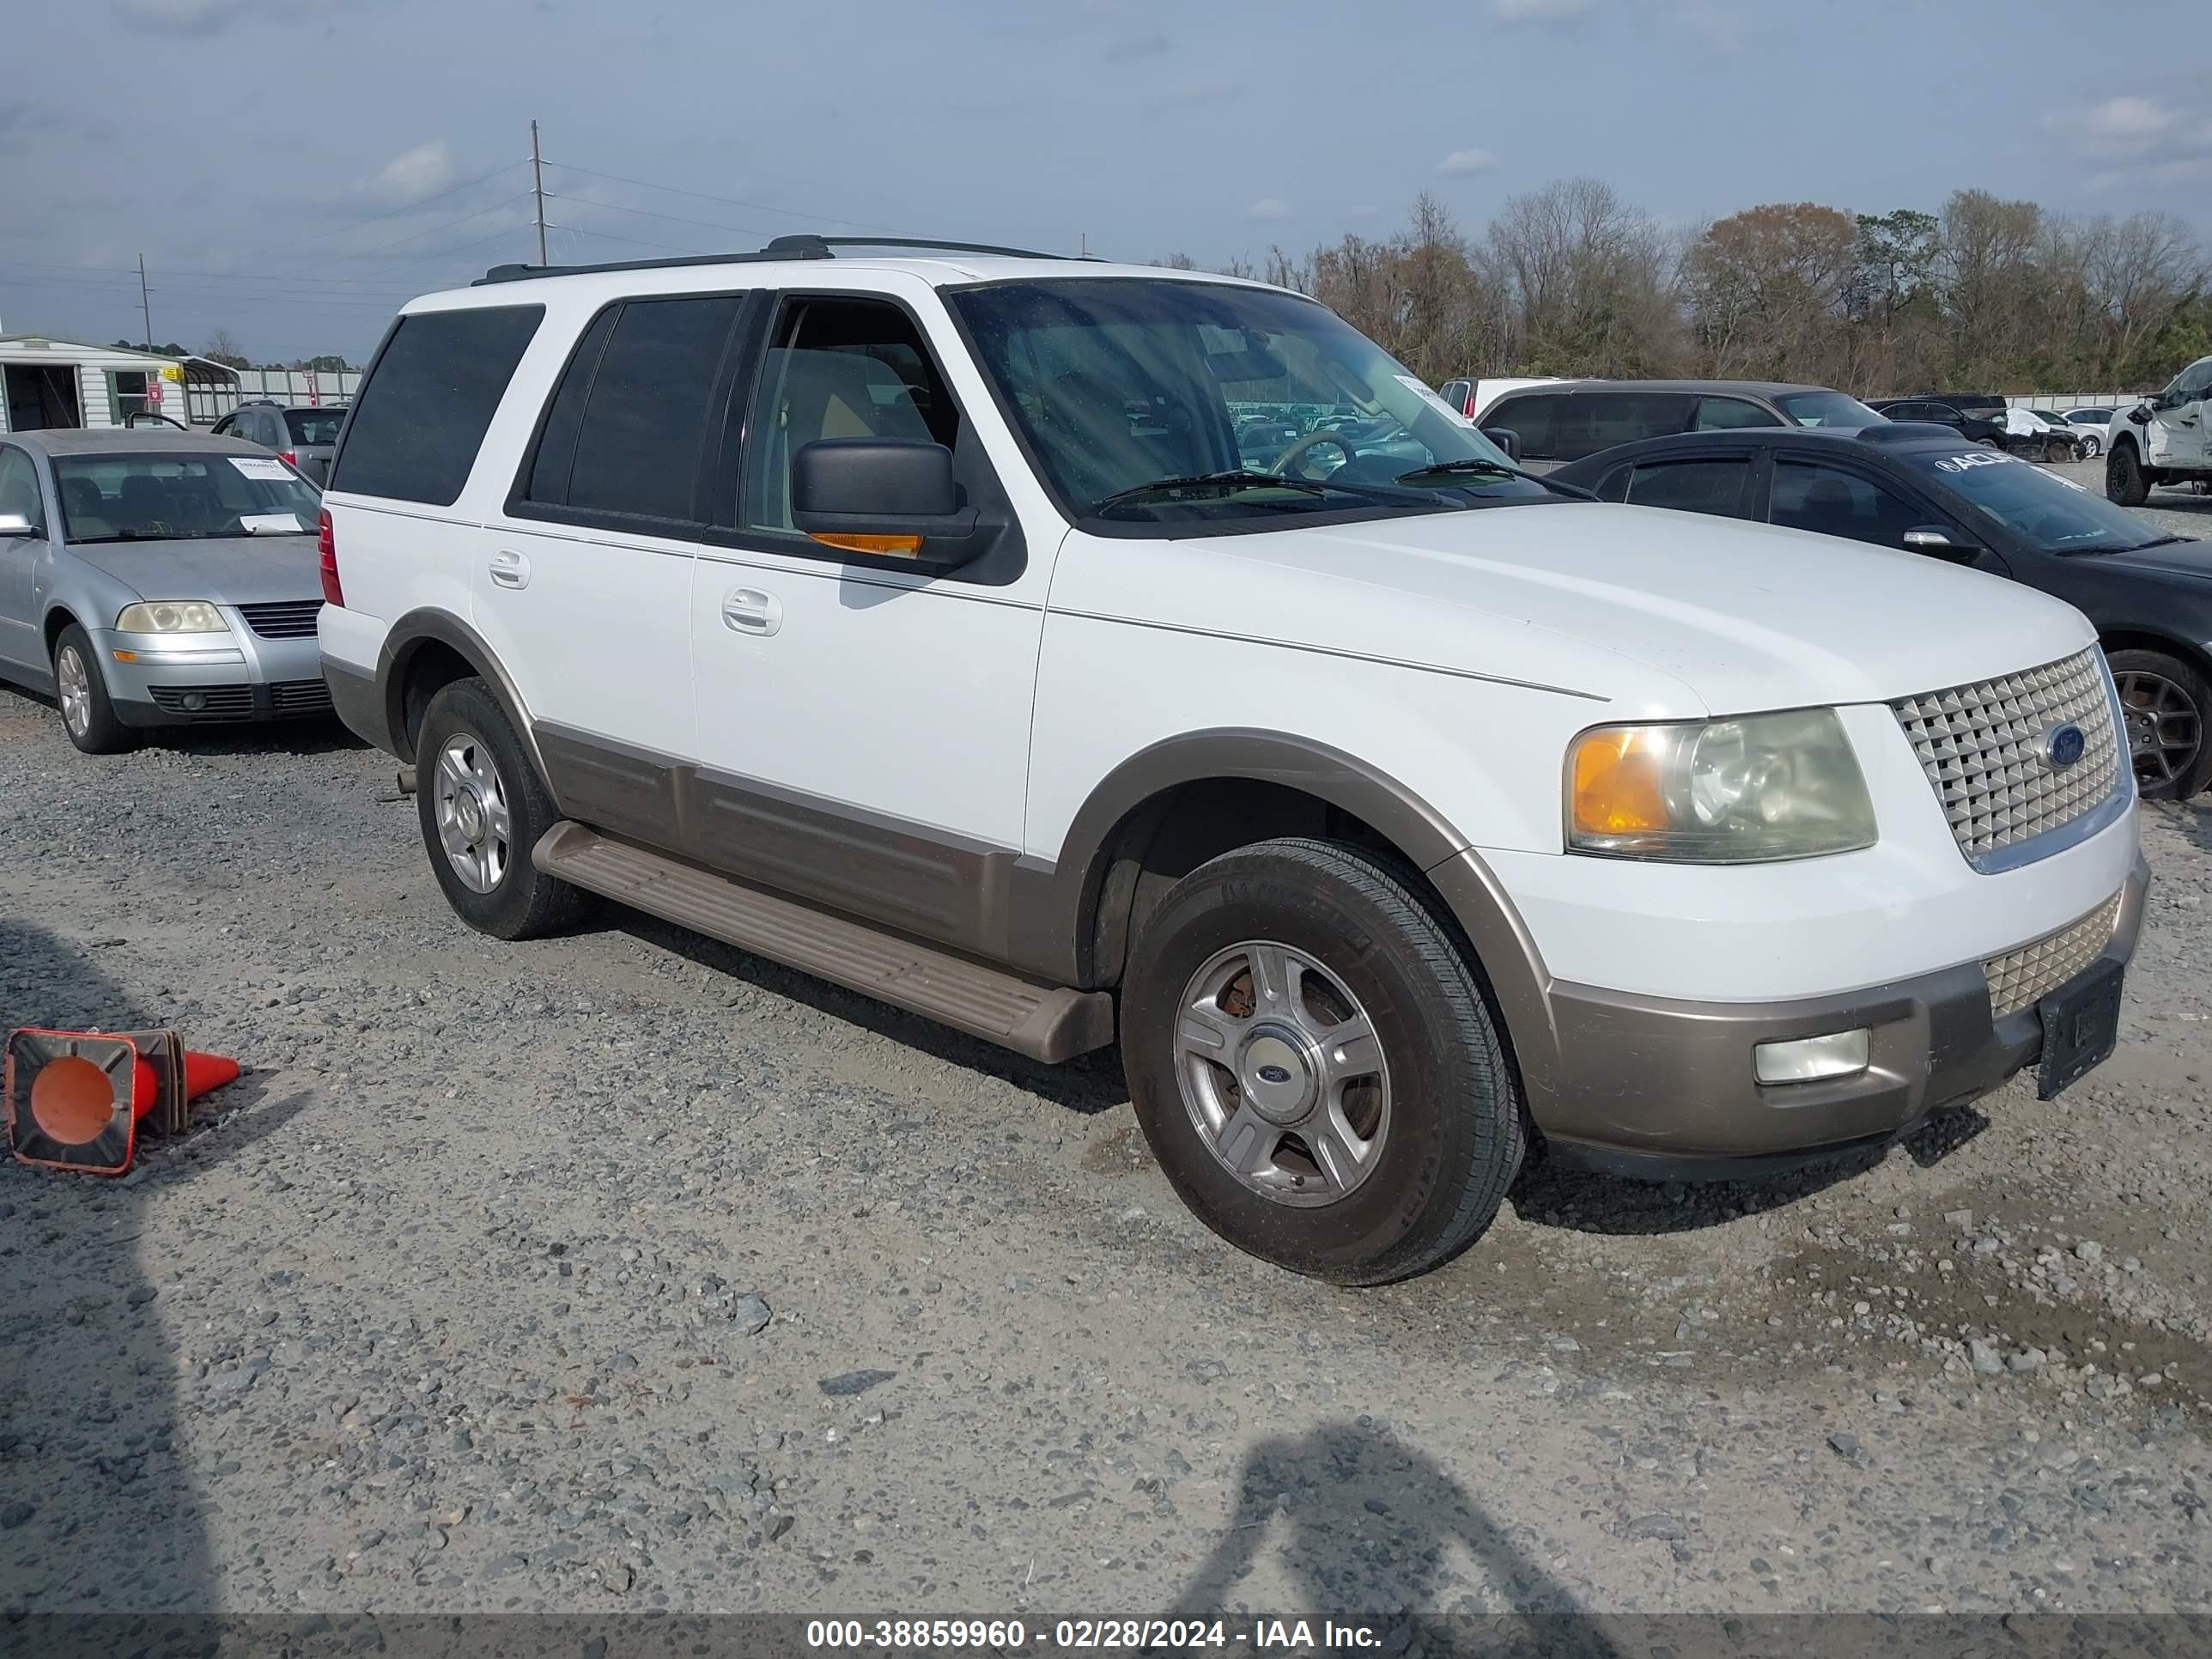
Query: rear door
1717, 481
1595, 420
584, 582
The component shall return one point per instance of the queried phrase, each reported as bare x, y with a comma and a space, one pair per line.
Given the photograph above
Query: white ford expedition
1078, 653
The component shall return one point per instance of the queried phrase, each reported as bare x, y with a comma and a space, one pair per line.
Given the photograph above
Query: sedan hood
1667, 613
2183, 559
231, 569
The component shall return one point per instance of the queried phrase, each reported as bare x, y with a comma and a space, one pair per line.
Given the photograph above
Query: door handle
510, 569
749, 611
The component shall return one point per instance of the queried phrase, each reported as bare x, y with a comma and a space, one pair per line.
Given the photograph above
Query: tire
1440, 1115
81, 690
2167, 698
1989, 443
2092, 447
2124, 477
473, 776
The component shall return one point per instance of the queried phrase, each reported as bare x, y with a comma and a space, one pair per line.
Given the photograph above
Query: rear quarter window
421, 415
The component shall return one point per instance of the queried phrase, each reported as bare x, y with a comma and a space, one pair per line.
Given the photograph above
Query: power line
394, 213
403, 240
726, 201
673, 218
199, 302
578, 230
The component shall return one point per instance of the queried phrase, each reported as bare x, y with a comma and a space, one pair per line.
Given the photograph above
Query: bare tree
224, 350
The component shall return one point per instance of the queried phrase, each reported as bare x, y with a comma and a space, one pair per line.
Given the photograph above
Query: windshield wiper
1229, 482
1495, 469
2132, 547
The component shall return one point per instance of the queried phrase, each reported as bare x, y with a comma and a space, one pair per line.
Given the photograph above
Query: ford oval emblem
1275, 1074
2062, 746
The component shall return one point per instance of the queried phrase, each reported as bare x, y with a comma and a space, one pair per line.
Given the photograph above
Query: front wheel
1316, 1066
2123, 477
483, 808
88, 712
2166, 703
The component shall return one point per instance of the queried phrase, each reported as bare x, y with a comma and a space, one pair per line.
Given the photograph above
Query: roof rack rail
803, 247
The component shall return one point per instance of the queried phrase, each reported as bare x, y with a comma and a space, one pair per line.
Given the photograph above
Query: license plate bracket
2081, 1027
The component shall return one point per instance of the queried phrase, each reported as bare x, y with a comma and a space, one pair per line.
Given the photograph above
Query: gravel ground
625, 1270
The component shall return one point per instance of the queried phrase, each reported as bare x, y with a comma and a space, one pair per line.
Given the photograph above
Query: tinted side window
1614, 486
315, 427
1724, 414
1810, 496
422, 414
1598, 420
564, 417
19, 485
1706, 486
1536, 417
638, 445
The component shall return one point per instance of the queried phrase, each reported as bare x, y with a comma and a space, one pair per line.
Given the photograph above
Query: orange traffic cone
75, 1099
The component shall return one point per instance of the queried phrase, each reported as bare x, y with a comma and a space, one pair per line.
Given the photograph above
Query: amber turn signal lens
1616, 783
902, 547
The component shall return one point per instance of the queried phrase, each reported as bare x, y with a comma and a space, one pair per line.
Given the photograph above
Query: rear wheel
2166, 703
1315, 1065
2124, 477
88, 713
2092, 446
483, 808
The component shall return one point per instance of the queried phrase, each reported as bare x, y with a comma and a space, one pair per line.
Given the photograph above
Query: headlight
171, 617
1725, 792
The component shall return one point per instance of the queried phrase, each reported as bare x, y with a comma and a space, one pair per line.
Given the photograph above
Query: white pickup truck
2163, 439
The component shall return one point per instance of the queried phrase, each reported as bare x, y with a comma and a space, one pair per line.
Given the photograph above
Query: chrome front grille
2020, 979
1982, 749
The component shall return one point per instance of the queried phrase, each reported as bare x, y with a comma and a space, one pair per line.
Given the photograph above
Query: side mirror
1506, 438
2140, 415
15, 524
883, 495
1935, 539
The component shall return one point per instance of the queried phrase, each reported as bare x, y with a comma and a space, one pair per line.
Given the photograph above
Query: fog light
194, 702
1808, 1060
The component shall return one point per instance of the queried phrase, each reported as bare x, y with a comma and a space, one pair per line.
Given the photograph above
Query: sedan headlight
1740, 791
171, 617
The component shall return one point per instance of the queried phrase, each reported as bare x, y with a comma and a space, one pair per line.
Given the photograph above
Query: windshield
1828, 408
1123, 385
314, 428
182, 497
2055, 514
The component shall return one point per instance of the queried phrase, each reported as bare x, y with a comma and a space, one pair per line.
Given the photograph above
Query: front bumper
191, 679
1656, 1087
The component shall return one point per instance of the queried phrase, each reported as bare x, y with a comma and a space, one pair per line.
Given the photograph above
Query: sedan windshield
181, 496
1151, 401
1828, 408
2055, 514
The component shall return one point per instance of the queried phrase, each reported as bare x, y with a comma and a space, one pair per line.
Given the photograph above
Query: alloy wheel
2165, 727
1283, 1073
74, 681
475, 825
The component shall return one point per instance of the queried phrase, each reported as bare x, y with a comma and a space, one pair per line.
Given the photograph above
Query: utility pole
145, 308
538, 177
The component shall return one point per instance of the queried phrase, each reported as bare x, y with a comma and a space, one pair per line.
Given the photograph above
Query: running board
1047, 1022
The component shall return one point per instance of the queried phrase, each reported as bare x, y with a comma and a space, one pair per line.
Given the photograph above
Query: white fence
2077, 400
209, 403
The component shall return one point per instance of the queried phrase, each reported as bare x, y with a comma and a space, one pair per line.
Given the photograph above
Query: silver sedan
157, 578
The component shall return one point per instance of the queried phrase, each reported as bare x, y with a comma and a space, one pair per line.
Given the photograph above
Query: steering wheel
1298, 450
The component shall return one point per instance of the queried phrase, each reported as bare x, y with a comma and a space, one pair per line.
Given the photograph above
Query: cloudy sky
294, 169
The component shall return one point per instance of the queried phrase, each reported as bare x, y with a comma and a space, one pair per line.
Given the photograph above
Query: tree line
1988, 294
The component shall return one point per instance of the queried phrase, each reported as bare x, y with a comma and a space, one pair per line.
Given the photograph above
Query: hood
1669, 614
233, 569
2185, 560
